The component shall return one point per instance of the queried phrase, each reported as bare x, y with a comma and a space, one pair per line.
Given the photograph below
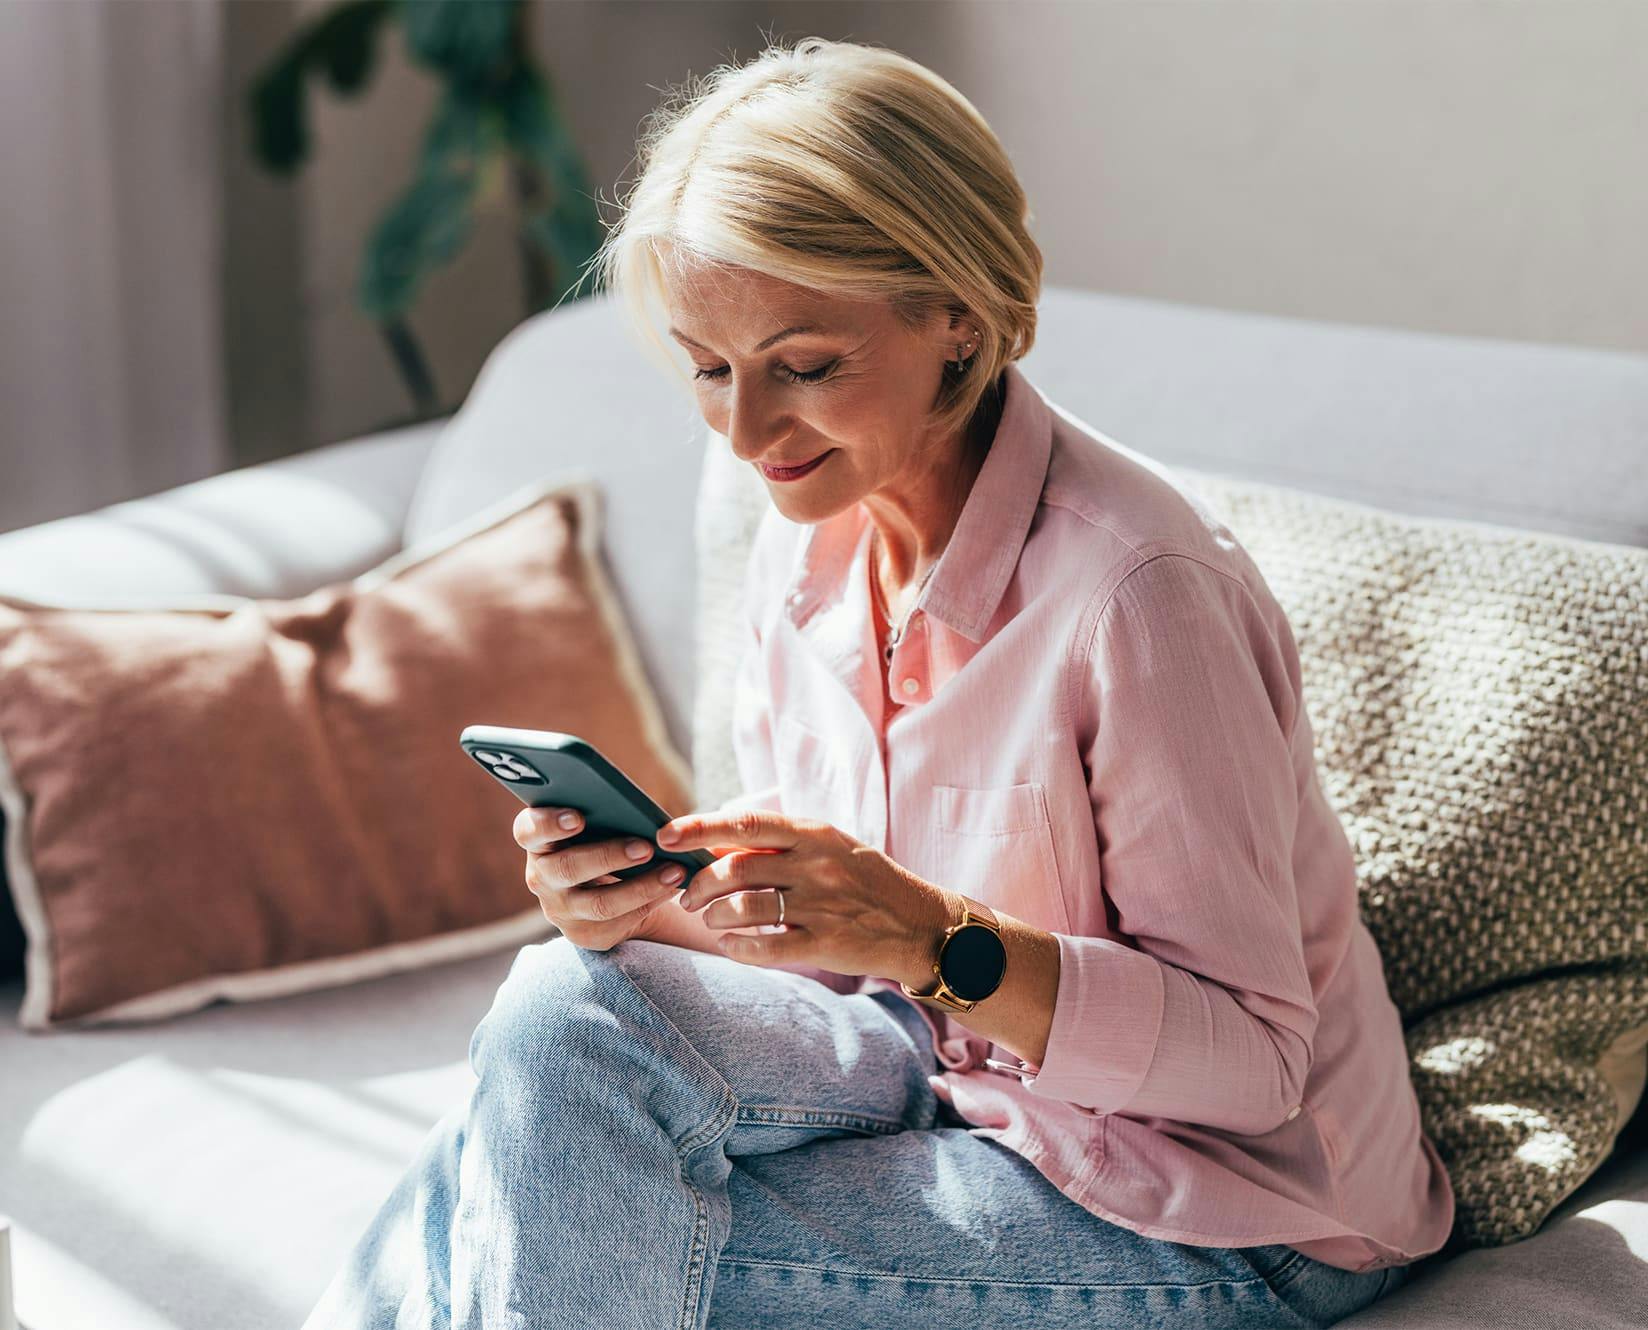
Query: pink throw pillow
248, 798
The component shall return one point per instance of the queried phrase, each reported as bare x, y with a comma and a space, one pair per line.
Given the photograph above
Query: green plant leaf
346, 43
538, 133
460, 133
342, 44
279, 124
423, 229
567, 232
467, 39
430, 222
568, 229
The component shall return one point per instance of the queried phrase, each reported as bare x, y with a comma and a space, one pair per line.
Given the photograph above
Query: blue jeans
664, 1139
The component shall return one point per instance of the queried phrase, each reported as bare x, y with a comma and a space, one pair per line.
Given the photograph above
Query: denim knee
534, 1016
572, 1038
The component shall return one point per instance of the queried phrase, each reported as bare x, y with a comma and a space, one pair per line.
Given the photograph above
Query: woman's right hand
571, 883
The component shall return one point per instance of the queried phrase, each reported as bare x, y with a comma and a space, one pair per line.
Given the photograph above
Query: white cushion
1523, 434
276, 530
571, 390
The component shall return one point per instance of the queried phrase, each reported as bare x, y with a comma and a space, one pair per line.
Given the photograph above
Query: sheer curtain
111, 378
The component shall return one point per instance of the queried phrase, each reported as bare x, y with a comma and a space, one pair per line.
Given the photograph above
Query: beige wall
1476, 168
1449, 165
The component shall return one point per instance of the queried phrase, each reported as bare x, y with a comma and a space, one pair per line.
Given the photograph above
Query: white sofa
211, 1172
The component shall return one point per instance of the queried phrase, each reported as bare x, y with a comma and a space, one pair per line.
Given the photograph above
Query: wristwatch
972, 960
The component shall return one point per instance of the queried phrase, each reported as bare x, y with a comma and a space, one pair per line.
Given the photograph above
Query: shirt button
795, 598
911, 686
1293, 1113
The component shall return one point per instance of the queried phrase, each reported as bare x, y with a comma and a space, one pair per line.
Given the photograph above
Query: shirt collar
975, 565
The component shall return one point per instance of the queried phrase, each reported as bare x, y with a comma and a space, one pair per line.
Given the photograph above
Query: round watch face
974, 962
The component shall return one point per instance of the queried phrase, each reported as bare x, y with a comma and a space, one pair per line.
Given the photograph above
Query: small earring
961, 363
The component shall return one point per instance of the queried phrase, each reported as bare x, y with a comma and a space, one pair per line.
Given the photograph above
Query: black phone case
544, 768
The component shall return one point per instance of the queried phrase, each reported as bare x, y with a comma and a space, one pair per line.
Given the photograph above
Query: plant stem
414, 368
534, 266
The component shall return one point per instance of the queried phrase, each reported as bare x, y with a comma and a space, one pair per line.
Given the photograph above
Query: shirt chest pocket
995, 844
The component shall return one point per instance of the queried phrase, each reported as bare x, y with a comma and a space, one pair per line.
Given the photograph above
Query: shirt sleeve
1208, 1015
752, 745
752, 735
752, 731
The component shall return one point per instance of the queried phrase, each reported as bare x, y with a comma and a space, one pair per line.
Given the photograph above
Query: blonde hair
847, 169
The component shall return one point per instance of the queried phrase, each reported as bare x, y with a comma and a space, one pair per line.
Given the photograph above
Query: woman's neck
896, 568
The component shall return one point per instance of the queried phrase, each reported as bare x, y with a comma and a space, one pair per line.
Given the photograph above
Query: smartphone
547, 769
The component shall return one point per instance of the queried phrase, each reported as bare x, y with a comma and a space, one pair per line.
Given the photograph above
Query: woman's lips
794, 472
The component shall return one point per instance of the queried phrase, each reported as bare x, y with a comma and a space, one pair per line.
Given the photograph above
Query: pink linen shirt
1094, 723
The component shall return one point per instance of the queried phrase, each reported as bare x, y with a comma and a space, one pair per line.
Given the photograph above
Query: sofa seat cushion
213, 1172
253, 1145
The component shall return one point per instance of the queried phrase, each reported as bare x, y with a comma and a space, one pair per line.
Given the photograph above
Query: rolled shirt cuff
1106, 1021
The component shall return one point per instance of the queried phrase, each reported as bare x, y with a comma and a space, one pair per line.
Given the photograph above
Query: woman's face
855, 388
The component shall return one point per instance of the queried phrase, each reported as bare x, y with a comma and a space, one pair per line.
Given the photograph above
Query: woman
1058, 1010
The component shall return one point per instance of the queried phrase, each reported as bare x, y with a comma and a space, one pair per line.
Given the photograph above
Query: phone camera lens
508, 767
512, 768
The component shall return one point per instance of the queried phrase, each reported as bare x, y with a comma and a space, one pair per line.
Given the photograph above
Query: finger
739, 871
603, 935
573, 865
560, 871
602, 904
748, 828
743, 909
779, 947
534, 828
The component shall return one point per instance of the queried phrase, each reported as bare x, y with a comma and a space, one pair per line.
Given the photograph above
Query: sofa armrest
277, 529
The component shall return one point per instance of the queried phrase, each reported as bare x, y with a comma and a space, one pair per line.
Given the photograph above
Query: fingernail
673, 874
669, 834
569, 820
637, 849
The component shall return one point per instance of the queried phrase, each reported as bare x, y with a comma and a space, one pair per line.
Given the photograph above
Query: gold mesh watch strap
973, 912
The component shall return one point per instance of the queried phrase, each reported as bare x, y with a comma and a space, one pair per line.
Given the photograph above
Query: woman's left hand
848, 908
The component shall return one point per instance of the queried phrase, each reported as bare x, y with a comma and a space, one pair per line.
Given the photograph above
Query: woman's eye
794, 375
810, 375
